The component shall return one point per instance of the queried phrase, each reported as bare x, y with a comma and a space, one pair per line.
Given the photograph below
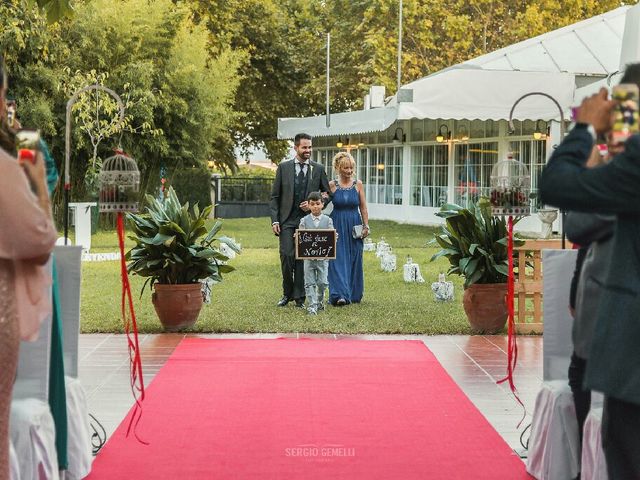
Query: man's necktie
301, 172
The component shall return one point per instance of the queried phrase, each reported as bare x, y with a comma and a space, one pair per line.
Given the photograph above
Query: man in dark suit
294, 180
614, 361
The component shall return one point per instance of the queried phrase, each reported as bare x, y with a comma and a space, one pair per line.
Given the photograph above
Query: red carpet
307, 409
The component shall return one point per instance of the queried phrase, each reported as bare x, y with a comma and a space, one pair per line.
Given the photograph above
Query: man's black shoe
283, 301
341, 302
300, 303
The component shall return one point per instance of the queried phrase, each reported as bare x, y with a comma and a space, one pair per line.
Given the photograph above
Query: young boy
315, 271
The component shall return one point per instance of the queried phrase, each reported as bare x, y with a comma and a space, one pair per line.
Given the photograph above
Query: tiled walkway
474, 362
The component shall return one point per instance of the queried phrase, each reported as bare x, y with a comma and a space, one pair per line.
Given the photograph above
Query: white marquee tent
558, 63
566, 64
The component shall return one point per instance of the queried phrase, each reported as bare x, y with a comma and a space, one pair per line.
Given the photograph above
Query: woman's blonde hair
341, 159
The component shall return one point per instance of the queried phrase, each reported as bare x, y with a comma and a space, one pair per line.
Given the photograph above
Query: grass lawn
245, 300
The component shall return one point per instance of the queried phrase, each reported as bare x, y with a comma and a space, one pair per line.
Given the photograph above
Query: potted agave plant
175, 250
475, 243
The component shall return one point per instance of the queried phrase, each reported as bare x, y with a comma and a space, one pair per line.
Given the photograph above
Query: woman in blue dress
346, 276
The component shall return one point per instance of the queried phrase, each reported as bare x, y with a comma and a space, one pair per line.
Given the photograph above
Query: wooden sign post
315, 244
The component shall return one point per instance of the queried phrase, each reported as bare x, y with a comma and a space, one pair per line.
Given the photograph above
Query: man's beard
305, 155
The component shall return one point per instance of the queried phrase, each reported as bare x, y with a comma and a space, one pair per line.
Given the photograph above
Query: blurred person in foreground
594, 233
57, 388
614, 355
27, 236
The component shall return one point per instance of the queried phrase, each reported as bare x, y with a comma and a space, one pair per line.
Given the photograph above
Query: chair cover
558, 269
32, 377
594, 465
34, 439
14, 466
79, 431
553, 444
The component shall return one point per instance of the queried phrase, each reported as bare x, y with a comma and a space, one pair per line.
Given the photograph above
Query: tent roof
589, 47
460, 93
360, 121
463, 93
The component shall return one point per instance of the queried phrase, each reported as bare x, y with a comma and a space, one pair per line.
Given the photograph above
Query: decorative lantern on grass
119, 184
510, 186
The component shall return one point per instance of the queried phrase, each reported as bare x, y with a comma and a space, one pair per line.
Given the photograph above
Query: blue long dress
346, 276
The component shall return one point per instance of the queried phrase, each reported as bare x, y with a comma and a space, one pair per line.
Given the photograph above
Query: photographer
614, 357
27, 236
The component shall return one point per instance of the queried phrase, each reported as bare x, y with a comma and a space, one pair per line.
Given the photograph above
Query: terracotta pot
177, 306
486, 307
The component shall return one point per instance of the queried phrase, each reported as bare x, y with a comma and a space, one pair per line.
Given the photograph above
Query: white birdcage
510, 186
119, 182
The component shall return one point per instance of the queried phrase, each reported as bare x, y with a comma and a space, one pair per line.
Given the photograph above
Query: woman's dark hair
7, 135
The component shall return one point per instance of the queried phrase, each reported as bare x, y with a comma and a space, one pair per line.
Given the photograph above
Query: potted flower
475, 243
175, 250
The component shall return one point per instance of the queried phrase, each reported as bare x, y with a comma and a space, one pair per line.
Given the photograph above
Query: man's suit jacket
282, 193
595, 230
614, 360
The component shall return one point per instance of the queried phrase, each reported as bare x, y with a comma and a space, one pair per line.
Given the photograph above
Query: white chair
79, 449
14, 466
554, 446
68, 263
31, 423
594, 465
33, 435
558, 267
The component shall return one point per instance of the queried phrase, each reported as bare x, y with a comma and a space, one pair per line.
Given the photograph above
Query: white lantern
369, 246
388, 262
382, 248
411, 272
442, 290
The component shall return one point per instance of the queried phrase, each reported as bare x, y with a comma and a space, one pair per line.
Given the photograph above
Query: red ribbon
129, 320
512, 348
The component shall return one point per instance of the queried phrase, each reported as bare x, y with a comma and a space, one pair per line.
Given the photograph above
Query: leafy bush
173, 244
474, 242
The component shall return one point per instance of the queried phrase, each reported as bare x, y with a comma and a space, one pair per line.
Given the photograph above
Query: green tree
440, 34
27, 47
54, 10
177, 86
270, 81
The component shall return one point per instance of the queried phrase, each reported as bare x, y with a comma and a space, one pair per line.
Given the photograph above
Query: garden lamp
442, 136
399, 138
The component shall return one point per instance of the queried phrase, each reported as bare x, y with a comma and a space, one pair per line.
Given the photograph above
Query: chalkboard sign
315, 244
